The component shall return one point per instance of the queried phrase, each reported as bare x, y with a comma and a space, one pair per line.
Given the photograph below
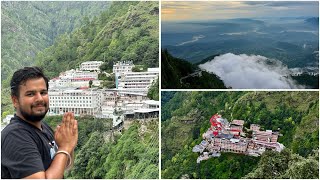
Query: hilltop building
91, 65
223, 136
137, 81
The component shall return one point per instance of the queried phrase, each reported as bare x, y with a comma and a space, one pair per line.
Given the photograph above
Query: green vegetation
296, 114
29, 27
105, 154
175, 73
286, 165
153, 92
307, 80
126, 31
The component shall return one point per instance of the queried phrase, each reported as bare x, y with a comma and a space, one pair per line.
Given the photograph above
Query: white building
150, 109
91, 65
75, 78
137, 81
79, 74
80, 102
122, 67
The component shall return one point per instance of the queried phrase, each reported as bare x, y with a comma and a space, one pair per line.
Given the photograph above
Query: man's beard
34, 117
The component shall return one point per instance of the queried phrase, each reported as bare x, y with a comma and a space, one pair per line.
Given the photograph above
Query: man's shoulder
15, 126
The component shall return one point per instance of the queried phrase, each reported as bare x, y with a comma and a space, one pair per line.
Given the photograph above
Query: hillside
29, 27
126, 31
186, 117
178, 73
103, 154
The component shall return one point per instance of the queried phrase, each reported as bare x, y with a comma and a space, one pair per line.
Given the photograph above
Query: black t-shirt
25, 149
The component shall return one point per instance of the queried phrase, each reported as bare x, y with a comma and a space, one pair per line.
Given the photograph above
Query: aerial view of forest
295, 115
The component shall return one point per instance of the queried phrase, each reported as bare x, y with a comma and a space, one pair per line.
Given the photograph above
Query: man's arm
66, 137
55, 171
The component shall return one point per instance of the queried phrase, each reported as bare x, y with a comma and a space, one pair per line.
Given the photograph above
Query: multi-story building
79, 74
137, 81
122, 67
91, 65
80, 102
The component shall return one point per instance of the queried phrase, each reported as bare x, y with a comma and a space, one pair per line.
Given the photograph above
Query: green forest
105, 153
174, 72
185, 117
98, 31
29, 27
126, 31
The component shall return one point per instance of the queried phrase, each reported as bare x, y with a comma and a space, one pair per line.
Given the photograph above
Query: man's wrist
68, 156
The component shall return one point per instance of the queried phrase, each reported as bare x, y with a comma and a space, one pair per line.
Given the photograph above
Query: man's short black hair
22, 75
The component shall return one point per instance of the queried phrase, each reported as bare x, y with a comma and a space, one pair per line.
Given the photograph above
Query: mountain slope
178, 73
127, 31
186, 117
29, 27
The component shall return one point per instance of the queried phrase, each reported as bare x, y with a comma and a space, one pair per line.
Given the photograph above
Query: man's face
33, 101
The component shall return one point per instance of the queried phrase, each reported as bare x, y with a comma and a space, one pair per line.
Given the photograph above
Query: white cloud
250, 72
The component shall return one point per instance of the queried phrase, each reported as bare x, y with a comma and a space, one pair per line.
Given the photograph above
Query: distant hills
289, 40
313, 21
178, 73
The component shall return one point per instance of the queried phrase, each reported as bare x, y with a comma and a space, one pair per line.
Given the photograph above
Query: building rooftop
238, 122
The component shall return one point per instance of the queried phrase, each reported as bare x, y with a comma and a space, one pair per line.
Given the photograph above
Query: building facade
122, 67
137, 81
80, 102
91, 65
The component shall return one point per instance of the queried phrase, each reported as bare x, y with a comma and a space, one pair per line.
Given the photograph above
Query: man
29, 147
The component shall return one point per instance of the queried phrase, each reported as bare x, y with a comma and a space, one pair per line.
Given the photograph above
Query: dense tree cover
174, 72
103, 153
296, 114
29, 27
307, 80
126, 31
86, 126
166, 96
286, 165
153, 92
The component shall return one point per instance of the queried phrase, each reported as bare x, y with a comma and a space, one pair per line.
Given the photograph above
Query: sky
211, 10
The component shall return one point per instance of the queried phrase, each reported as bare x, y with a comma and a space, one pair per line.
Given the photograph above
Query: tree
153, 92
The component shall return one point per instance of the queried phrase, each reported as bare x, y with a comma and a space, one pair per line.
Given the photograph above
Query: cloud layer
250, 72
